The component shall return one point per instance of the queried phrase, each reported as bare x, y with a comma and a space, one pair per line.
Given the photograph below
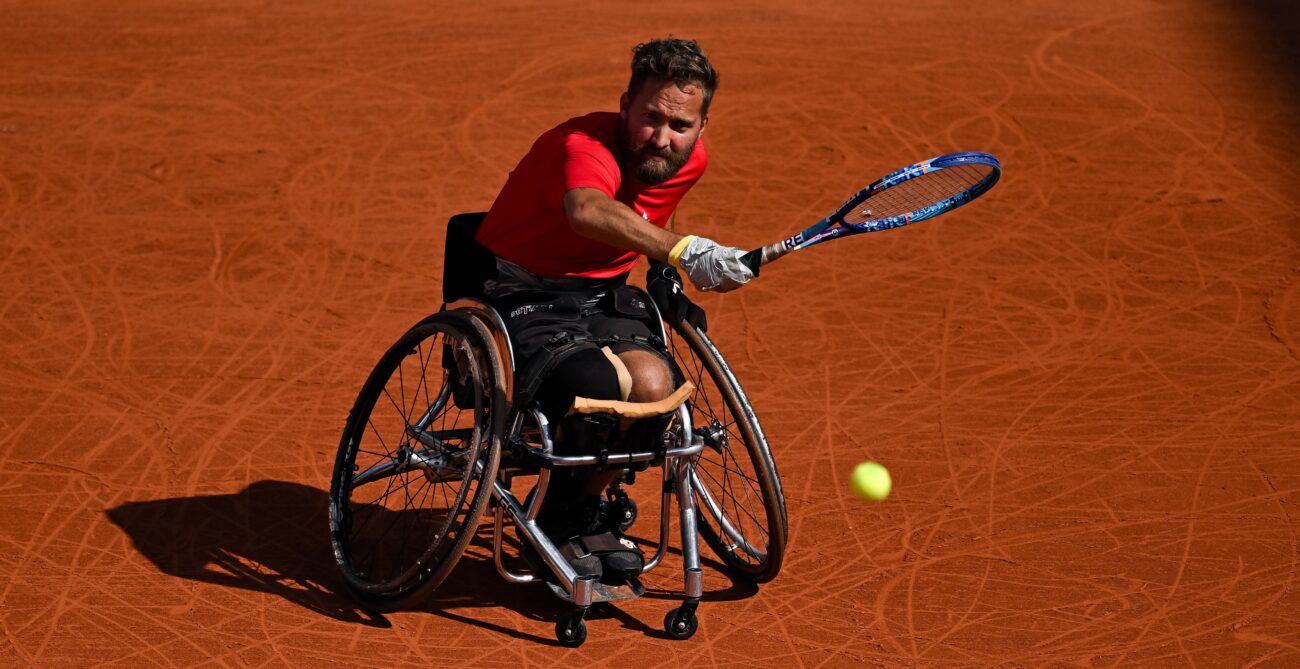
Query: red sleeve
589, 164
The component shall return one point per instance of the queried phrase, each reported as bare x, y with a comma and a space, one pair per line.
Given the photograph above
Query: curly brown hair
680, 61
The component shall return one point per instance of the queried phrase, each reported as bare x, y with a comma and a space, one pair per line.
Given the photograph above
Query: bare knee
651, 379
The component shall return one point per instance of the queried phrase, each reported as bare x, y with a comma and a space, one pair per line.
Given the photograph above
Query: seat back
466, 264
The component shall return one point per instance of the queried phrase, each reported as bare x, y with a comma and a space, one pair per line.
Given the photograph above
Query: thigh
624, 324
535, 317
622, 316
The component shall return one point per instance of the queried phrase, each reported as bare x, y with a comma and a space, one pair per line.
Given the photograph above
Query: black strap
552, 353
604, 544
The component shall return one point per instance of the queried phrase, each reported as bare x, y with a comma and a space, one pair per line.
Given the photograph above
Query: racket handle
764, 255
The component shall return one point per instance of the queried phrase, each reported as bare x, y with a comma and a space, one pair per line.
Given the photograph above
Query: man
591, 196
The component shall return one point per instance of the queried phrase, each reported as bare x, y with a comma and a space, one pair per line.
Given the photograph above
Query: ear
622, 105
704, 124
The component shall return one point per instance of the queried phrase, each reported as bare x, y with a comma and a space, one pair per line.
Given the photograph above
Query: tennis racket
912, 194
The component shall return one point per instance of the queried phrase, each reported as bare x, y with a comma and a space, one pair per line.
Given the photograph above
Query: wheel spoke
733, 481
402, 513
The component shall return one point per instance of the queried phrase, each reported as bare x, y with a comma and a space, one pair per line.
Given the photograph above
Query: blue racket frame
823, 231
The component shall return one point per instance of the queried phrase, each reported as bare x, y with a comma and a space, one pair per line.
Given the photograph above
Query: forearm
595, 216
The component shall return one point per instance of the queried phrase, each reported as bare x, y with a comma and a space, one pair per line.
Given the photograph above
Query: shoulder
595, 134
590, 138
585, 148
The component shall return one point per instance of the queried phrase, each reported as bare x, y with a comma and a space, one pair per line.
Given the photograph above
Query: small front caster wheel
681, 624
570, 630
627, 516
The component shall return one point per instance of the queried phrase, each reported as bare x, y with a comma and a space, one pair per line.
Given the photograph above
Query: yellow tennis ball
870, 481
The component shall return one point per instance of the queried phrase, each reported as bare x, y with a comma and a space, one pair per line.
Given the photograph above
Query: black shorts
603, 313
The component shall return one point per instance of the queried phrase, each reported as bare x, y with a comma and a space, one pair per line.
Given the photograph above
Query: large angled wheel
416, 462
738, 491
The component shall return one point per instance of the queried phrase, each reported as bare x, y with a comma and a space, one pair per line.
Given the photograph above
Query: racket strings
918, 193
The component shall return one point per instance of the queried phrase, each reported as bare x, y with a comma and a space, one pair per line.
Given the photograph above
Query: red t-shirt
527, 224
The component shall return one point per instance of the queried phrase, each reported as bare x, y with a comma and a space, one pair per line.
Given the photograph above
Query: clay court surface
1086, 385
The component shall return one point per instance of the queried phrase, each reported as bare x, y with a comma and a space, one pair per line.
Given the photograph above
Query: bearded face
650, 165
660, 128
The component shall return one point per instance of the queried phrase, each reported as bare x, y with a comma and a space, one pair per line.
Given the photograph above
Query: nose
660, 138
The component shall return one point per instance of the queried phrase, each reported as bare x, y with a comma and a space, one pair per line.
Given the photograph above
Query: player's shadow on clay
272, 537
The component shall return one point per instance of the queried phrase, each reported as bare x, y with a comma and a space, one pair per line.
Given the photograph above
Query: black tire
742, 514
405, 503
679, 627
570, 630
627, 518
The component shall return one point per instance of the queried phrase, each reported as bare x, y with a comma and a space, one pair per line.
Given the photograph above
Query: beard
640, 161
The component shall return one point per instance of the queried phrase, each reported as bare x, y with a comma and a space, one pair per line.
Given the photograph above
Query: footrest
603, 593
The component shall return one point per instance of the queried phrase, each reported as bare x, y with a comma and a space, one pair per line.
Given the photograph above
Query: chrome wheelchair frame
463, 445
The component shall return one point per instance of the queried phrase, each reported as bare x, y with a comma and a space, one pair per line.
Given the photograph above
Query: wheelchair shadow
272, 537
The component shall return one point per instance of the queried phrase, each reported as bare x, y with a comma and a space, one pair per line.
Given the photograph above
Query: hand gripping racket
911, 194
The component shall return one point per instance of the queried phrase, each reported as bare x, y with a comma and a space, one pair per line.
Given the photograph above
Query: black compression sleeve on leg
586, 373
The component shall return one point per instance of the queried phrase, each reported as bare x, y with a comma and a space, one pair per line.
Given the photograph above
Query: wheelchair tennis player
589, 198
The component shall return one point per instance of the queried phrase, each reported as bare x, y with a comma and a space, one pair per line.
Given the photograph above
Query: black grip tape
753, 260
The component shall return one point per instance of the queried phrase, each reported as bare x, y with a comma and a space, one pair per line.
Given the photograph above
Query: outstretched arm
593, 215
709, 266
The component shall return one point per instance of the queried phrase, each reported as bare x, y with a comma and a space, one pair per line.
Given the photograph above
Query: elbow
579, 220
581, 213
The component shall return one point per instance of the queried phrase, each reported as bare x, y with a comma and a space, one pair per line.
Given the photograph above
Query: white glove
711, 266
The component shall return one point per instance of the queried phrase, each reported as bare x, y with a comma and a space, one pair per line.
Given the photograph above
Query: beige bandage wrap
624, 376
635, 410
675, 255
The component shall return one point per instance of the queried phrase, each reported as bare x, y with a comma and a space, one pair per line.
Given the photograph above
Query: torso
527, 224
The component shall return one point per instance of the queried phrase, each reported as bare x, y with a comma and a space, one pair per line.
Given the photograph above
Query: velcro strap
603, 544
634, 410
574, 549
675, 255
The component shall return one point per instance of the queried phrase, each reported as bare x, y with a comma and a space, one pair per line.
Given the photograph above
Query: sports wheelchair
434, 440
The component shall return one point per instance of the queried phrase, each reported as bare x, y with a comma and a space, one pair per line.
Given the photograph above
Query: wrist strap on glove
675, 255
